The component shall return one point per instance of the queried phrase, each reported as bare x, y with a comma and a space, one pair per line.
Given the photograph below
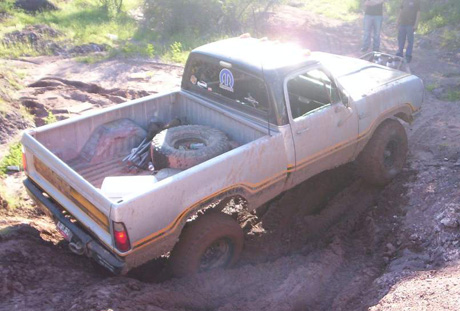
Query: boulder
35, 5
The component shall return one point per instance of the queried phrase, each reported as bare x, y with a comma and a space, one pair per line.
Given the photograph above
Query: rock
449, 222
35, 5
37, 36
88, 48
390, 249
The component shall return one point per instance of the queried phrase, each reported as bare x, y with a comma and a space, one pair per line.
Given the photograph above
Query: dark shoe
399, 54
408, 58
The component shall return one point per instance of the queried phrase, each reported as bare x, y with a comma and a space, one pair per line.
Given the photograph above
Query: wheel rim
189, 144
217, 255
389, 153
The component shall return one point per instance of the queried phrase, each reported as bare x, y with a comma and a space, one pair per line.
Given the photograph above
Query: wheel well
233, 204
405, 117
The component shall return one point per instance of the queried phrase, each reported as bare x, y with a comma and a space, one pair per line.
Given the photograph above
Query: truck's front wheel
385, 154
214, 240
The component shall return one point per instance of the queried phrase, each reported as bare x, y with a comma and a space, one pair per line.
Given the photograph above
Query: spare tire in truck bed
185, 146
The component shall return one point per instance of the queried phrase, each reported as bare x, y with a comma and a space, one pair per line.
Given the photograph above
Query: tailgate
77, 196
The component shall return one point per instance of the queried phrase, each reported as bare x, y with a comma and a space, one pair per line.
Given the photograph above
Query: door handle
302, 131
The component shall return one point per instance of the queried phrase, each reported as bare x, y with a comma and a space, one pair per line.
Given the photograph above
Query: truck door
324, 128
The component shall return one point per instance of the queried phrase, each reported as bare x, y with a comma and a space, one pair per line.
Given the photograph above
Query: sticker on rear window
226, 80
202, 84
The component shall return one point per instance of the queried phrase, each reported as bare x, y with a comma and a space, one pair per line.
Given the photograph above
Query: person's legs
410, 42
367, 24
401, 40
377, 25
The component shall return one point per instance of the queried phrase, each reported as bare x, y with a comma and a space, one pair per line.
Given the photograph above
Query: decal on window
226, 80
193, 79
202, 84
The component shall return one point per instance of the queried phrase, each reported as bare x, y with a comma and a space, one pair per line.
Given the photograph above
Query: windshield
232, 86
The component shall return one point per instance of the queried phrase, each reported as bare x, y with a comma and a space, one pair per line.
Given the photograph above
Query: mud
333, 243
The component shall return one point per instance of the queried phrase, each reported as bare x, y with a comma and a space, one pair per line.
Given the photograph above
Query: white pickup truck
278, 115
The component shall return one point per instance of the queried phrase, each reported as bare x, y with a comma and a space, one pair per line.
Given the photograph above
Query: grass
431, 87
51, 118
11, 200
92, 58
452, 95
12, 158
81, 21
450, 39
86, 21
443, 14
176, 53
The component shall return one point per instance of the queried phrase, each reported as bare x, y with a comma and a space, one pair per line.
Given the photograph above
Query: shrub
201, 17
112, 7
13, 158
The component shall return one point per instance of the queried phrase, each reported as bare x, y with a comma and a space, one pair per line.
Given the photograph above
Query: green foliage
437, 15
92, 58
133, 49
81, 21
51, 118
452, 95
17, 50
197, 18
450, 39
11, 201
431, 87
12, 158
112, 7
345, 10
176, 53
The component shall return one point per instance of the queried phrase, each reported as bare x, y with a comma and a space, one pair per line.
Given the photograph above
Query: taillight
24, 160
121, 237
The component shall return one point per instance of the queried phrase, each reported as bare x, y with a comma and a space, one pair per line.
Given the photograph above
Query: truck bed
96, 172
70, 139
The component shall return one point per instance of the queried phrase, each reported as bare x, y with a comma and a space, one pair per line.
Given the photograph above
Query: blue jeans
372, 23
405, 31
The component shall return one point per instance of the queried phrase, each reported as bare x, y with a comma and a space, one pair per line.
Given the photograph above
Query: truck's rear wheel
212, 241
385, 154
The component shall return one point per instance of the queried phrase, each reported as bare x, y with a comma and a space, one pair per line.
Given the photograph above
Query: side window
309, 91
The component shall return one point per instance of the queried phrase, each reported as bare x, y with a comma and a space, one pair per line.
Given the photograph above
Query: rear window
227, 84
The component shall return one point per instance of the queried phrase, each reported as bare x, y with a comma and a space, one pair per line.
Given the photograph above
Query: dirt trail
331, 244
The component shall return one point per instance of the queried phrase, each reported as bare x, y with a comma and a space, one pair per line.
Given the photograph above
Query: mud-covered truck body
287, 114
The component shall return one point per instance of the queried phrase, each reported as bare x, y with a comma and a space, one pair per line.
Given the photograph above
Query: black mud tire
191, 253
385, 154
165, 153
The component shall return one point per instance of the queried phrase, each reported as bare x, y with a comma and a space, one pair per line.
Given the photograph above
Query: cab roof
257, 55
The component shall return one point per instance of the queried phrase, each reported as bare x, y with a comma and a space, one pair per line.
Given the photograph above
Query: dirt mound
39, 37
12, 118
42, 38
63, 98
11, 123
35, 5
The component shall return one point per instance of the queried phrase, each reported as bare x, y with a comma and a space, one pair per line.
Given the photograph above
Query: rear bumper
92, 248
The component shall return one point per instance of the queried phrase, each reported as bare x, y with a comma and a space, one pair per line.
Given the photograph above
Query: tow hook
77, 248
